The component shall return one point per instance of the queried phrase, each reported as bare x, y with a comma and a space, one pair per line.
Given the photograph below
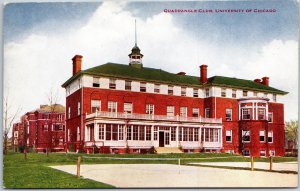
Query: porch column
152, 132
253, 110
95, 132
104, 132
204, 135
239, 111
256, 110
267, 111
200, 133
221, 137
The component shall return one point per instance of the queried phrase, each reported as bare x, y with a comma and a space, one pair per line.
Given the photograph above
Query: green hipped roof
158, 75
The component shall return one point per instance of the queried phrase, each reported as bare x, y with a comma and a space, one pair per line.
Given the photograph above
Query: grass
36, 173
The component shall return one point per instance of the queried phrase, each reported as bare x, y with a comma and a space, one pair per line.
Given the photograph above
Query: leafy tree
291, 131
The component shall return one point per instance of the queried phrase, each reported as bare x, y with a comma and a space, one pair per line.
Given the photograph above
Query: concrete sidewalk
286, 166
167, 176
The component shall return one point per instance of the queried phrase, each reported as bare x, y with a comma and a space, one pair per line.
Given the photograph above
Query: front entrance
161, 139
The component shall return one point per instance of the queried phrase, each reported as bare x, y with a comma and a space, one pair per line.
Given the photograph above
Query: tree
291, 131
8, 118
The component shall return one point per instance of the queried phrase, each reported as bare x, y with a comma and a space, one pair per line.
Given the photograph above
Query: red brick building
41, 129
132, 108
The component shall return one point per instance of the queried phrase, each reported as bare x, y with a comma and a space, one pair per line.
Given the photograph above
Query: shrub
152, 150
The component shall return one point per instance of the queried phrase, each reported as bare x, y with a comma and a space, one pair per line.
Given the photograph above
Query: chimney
265, 81
257, 81
203, 74
181, 73
76, 64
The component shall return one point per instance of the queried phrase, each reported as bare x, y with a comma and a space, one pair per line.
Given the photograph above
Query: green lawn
36, 173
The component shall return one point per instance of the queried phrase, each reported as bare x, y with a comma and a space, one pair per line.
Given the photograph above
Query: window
215, 135
96, 82
142, 87
246, 114
261, 114
255, 94
112, 106
121, 132
246, 152
262, 153
156, 88
206, 92
195, 112
115, 132
101, 131
135, 132
272, 153
46, 116
274, 97
108, 131
155, 133
228, 115
270, 117
128, 108
127, 85
167, 138
185, 134
233, 93
206, 132
170, 90
196, 134
173, 133
183, 111
129, 133
148, 133
195, 92
78, 134
78, 107
207, 113
245, 136
69, 112
142, 133
150, 109
95, 106
270, 137
265, 95
245, 93
58, 127
229, 136
262, 136
183, 91
170, 111
223, 92
112, 84
45, 127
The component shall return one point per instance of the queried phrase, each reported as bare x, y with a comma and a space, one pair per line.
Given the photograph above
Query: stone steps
168, 150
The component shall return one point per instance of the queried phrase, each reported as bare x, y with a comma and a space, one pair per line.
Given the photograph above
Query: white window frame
223, 92
128, 108
245, 93
78, 108
195, 92
111, 105
230, 111
143, 86
228, 134
128, 85
183, 91
270, 116
183, 111
244, 133
69, 112
264, 114
195, 111
156, 88
96, 82
207, 92
272, 152
206, 111
262, 133
274, 98
95, 104
170, 111
112, 84
170, 90
150, 109
270, 135
262, 153
249, 113
78, 134
233, 95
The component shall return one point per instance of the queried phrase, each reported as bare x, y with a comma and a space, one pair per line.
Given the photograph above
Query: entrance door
161, 139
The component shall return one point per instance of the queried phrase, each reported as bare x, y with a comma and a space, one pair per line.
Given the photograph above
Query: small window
223, 92
245, 136
142, 87
246, 114
156, 88
270, 137
229, 136
207, 113
195, 112
255, 94
101, 131
170, 90
270, 117
261, 114
274, 98
78, 134
96, 82
183, 91
78, 107
245, 93
233, 93
170, 111
112, 84
207, 92
246, 152
112, 106
95, 106
69, 112
150, 109
183, 111
45, 127
262, 136
195, 92
128, 108
262, 153
228, 114
272, 153
128, 85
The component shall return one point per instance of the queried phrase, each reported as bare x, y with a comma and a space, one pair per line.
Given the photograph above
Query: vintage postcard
150, 94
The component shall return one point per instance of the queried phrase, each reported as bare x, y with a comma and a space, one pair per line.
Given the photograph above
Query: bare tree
9, 117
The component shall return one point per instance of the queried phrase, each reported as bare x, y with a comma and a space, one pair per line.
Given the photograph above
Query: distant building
133, 108
41, 129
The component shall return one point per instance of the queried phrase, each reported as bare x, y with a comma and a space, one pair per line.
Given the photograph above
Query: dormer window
170, 90
127, 85
96, 82
156, 88
245, 93
112, 84
142, 87
223, 92
195, 92
183, 91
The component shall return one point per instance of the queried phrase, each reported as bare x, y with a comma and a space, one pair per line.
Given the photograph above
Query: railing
153, 117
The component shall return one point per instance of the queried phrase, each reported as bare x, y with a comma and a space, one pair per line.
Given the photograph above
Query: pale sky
41, 38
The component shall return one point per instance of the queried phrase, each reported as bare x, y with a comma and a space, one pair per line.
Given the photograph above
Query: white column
267, 111
152, 133
253, 111
85, 133
256, 110
221, 137
177, 136
203, 135
95, 131
200, 131
105, 132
